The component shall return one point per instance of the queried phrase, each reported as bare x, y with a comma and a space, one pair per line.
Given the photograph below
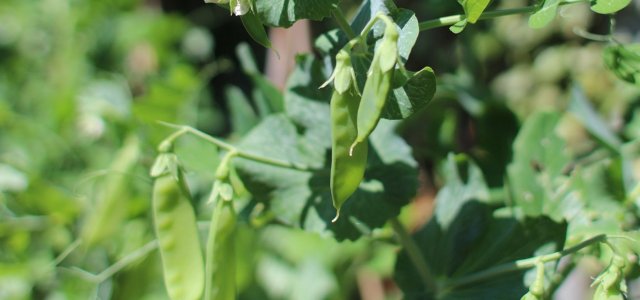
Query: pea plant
325, 156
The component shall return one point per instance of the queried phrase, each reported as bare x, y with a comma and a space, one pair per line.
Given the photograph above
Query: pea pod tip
335, 219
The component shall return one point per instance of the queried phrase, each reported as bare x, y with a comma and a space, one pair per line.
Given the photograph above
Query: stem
450, 20
523, 264
127, 260
343, 23
266, 160
117, 266
558, 278
416, 257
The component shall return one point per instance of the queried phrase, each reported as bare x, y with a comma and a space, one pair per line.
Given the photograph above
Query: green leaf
473, 8
242, 115
306, 104
412, 96
545, 14
256, 30
624, 62
597, 127
467, 236
608, 6
538, 167
269, 92
283, 13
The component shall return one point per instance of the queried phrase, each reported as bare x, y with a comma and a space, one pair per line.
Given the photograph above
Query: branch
416, 257
522, 264
226, 146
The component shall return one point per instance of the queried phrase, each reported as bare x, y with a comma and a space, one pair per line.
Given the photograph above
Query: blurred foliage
83, 82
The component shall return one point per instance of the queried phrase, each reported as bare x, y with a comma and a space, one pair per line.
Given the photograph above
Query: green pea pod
177, 233
220, 263
378, 85
347, 169
388, 50
255, 28
374, 97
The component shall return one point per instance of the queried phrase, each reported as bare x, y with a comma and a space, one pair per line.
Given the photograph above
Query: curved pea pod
347, 167
374, 97
175, 226
378, 85
221, 264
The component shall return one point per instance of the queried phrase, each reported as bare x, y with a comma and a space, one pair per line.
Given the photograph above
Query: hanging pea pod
378, 85
611, 283
220, 259
220, 263
177, 233
347, 167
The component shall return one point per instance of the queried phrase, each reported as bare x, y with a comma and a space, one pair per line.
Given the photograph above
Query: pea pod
347, 167
220, 258
175, 226
378, 85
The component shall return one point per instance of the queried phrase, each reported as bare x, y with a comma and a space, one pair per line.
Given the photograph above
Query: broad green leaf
545, 14
467, 236
242, 115
269, 92
306, 104
256, 30
414, 94
283, 13
538, 169
608, 6
624, 61
473, 8
464, 181
583, 110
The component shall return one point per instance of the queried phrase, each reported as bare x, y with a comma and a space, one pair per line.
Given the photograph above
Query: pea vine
348, 102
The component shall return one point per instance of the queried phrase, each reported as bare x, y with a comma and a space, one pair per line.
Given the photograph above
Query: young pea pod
378, 85
611, 283
220, 263
177, 233
347, 167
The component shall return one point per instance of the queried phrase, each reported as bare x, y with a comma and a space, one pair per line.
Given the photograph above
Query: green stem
522, 264
416, 257
343, 23
450, 20
558, 278
257, 158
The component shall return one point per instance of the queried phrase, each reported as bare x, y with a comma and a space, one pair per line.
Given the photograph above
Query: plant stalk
450, 20
416, 257
254, 157
522, 264
343, 23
